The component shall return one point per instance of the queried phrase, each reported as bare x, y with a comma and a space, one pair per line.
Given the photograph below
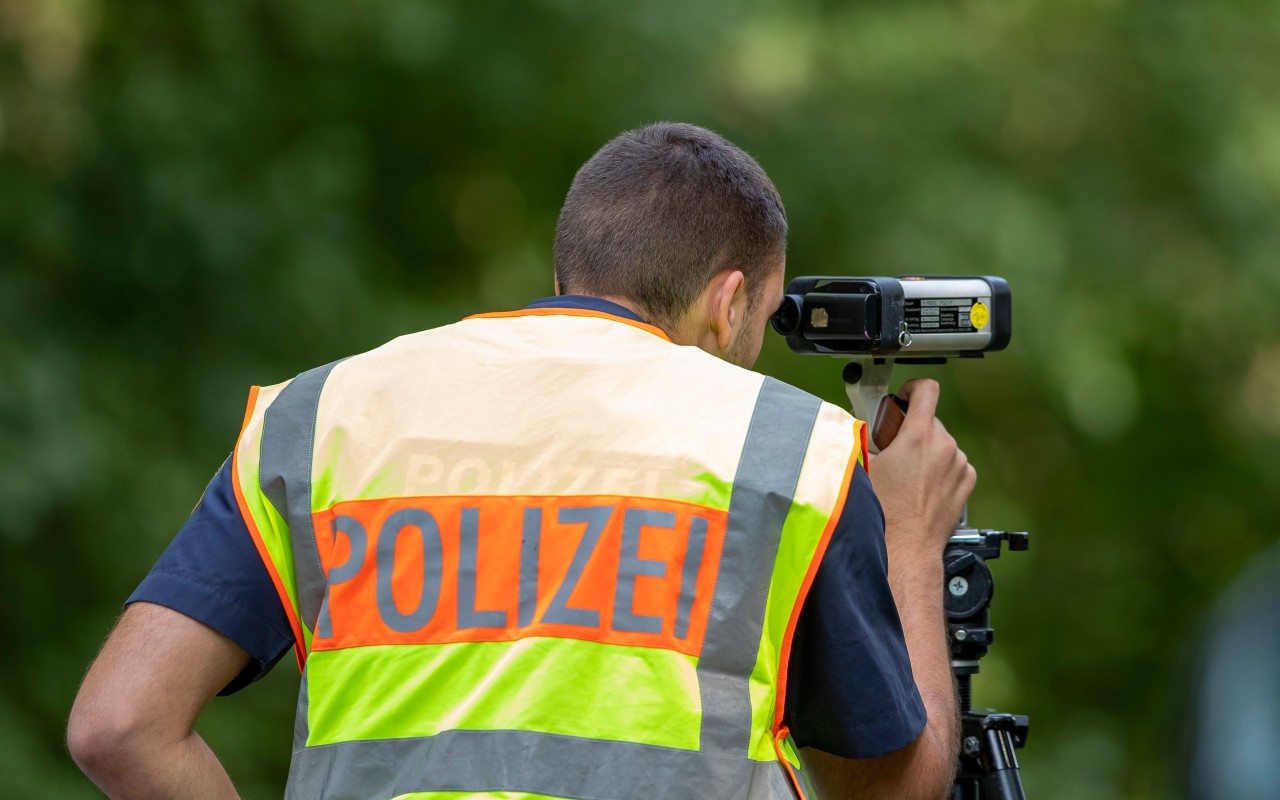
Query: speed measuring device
910, 319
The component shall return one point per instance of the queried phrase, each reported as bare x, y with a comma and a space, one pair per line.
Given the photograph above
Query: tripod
988, 768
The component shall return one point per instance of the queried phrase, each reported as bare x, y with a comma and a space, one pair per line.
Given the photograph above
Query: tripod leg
965, 789
1001, 779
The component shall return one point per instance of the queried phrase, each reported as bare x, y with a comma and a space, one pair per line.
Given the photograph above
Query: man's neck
636, 309
629, 305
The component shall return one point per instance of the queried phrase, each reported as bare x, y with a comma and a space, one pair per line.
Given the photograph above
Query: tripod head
969, 589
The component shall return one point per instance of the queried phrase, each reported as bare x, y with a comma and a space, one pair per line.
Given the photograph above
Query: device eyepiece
786, 320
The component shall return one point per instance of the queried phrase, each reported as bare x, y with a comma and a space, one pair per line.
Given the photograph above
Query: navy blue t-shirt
850, 690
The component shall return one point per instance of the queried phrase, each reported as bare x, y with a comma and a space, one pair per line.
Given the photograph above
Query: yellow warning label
978, 316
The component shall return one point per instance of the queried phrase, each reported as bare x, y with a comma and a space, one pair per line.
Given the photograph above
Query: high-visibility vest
542, 554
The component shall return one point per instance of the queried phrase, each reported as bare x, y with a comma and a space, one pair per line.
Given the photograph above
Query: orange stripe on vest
420, 570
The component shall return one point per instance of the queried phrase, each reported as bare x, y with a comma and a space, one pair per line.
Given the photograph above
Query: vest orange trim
796, 781
781, 731
299, 648
572, 312
864, 446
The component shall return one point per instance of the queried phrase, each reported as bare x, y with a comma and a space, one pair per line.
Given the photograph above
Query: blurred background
199, 196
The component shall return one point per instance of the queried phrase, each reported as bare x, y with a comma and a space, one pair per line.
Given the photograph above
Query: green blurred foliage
197, 196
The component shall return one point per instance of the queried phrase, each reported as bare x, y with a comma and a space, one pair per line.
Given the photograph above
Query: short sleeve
850, 691
211, 572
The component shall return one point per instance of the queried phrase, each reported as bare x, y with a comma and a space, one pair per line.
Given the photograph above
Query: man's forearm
129, 770
916, 580
131, 728
926, 768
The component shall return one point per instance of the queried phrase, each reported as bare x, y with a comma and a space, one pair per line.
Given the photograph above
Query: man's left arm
131, 728
206, 620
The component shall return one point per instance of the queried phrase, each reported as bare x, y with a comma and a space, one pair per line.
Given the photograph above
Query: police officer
575, 550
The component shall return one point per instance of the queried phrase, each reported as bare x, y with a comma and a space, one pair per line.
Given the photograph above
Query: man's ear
727, 307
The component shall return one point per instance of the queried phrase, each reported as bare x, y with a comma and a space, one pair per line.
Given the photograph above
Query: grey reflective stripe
284, 474
301, 720
522, 761
777, 441
774, 783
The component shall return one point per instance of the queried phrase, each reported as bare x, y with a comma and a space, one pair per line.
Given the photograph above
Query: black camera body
905, 318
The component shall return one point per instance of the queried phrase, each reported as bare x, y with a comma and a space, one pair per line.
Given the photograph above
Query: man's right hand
923, 479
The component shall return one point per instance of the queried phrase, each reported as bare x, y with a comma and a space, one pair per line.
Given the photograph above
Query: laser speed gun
905, 318
875, 322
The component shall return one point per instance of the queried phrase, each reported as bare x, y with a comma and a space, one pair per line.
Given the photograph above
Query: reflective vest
543, 554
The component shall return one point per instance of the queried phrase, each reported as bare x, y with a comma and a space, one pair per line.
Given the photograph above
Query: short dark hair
659, 211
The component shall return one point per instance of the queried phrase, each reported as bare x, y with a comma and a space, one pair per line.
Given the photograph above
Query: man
578, 550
